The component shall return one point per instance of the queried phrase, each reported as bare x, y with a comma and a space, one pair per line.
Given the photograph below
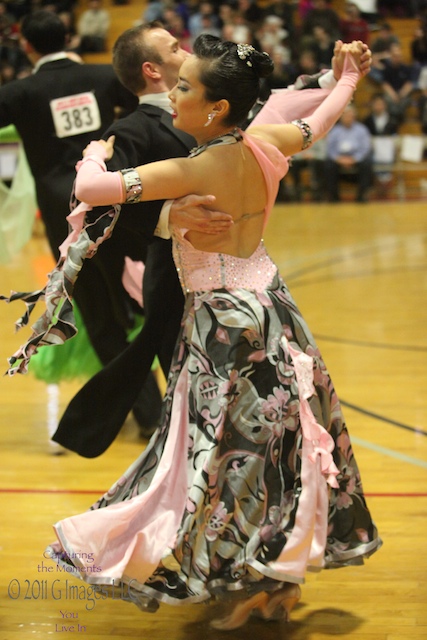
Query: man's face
171, 53
379, 106
348, 117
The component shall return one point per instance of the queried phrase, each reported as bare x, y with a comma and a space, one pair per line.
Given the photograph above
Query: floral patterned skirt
251, 479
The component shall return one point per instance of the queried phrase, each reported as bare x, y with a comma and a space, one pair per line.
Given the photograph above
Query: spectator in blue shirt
349, 151
399, 81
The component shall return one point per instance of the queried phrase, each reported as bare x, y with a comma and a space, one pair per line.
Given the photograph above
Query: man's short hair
45, 31
130, 51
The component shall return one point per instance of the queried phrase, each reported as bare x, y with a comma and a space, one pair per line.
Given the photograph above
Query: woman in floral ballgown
251, 479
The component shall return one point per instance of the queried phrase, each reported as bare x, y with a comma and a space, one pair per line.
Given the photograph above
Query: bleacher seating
409, 178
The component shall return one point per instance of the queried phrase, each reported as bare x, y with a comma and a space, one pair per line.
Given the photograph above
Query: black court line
336, 259
100, 492
377, 416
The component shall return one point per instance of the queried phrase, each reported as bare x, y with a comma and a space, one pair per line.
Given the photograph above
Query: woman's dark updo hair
227, 76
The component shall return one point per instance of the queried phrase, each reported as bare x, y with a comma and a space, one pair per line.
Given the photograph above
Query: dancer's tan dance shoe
273, 606
280, 603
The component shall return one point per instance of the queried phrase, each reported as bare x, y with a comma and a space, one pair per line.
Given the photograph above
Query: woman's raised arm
291, 138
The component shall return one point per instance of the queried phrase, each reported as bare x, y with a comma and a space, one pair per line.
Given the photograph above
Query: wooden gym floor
358, 273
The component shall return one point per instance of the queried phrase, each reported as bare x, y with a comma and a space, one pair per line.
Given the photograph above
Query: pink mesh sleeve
331, 109
94, 184
320, 108
286, 105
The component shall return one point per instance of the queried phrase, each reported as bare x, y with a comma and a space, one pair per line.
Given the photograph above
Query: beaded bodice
203, 270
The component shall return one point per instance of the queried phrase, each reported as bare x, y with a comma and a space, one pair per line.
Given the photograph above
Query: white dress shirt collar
160, 100
50, 57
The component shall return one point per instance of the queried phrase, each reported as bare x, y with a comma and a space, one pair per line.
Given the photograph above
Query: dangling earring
211, 116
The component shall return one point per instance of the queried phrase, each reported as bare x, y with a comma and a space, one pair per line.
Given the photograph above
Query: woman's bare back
233, 175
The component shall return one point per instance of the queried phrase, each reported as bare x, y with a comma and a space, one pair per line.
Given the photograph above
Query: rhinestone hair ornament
245, 51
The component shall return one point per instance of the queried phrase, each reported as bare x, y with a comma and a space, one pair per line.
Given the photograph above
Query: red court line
101, 492
395, 495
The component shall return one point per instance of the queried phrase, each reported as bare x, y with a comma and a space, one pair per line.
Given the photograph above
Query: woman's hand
107, 148
362, 56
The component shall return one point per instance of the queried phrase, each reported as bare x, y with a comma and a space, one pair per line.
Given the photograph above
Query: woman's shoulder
258, 140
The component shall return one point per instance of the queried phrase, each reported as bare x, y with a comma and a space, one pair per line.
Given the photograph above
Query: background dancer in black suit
57, 111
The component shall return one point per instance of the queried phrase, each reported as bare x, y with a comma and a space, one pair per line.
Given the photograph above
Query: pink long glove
320, 108
94, 184
287, 105
331, 109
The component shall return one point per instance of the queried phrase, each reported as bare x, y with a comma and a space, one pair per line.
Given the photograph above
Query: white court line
389, 452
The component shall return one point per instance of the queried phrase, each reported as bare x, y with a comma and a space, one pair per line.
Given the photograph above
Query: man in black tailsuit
57, 111
146, 59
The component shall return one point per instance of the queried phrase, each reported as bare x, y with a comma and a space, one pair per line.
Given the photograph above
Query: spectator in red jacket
353, 26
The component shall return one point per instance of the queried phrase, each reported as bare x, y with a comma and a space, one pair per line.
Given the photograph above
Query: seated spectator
251, 12
285, 10
323, 46
304, 8
397, 8
312, 159
422, 85
12, 59
399, 81
272, 34
183, 9
153, 11
72, 39
238, 21
324, 15
174, 23
238, 31
8, 24
11, 56
380, 48
348, 150
198, 21
380, 121
306, 64
93, 28
353, 26
226, 12
209, 25
279, 79
419, 45
20, 8
7, 73
368, 10
419, 55
383, 127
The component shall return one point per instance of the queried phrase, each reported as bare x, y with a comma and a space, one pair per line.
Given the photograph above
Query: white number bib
76, 114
